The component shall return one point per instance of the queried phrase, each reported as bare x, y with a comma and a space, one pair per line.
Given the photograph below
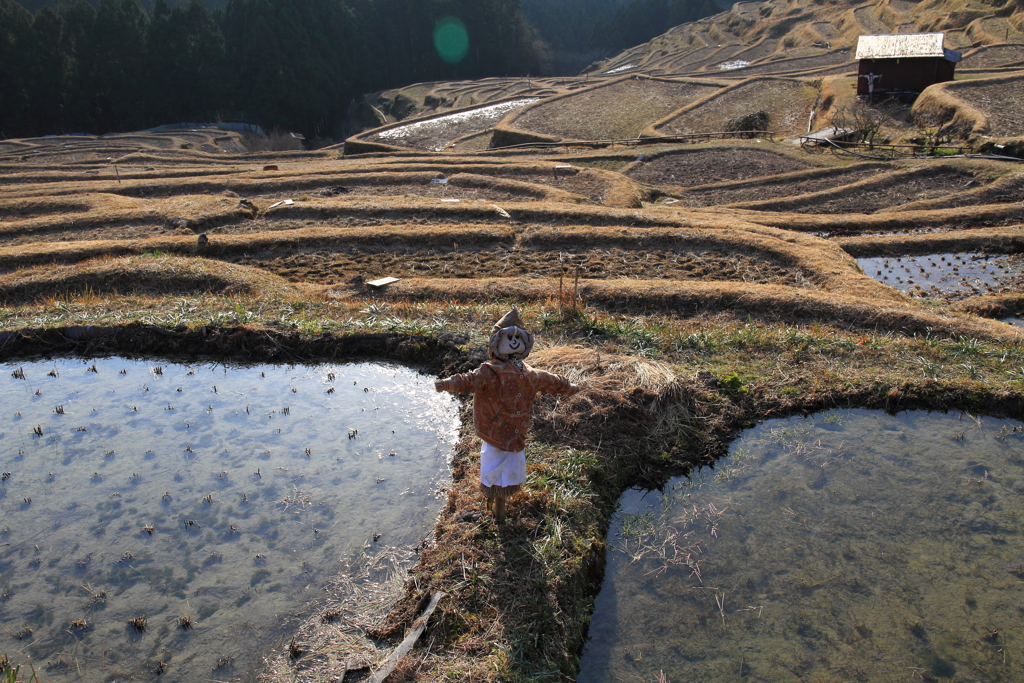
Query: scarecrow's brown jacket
504, 397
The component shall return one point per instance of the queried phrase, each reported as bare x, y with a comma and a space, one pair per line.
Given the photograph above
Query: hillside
792, 38
799, 36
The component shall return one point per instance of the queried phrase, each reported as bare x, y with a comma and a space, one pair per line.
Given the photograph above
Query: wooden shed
902, 64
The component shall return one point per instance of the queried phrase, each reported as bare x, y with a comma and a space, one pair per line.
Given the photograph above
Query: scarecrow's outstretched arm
460, 384
550, 383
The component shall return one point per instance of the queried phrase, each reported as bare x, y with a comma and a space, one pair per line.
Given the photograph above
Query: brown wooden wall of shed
907, 73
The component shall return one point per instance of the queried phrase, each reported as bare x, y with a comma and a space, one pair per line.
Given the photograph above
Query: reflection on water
224, 495
1017, 322
948, 276
852, 546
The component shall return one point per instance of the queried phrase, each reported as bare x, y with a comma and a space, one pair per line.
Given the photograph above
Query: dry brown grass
144, 276
63, 149
1008, 240
693, 299
1000, 306
187, 214
838, 225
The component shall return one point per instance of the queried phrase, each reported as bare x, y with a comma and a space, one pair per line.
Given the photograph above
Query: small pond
226, 495
850, 546
948, 276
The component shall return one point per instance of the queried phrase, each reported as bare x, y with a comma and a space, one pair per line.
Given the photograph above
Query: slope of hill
789, 38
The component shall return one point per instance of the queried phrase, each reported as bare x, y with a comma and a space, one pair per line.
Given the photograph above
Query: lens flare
451, 40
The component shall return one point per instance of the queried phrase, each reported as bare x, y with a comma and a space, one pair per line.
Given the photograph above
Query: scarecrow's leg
499, 509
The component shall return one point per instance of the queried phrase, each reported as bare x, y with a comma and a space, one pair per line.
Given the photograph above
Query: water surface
225, 494
948, 276
851, 546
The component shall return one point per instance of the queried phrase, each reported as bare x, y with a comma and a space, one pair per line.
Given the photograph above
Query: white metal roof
898, 45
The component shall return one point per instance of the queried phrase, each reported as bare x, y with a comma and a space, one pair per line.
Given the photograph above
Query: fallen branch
418, 627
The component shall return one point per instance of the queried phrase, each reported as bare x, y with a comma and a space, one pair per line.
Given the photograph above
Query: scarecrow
504, 389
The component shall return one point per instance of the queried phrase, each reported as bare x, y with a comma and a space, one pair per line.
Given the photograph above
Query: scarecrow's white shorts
501, 468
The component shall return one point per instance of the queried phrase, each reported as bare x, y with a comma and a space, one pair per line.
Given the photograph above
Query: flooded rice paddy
438, 132
175, 519
850, 546
948, 276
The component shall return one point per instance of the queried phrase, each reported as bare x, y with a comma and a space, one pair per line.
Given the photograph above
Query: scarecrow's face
511, 342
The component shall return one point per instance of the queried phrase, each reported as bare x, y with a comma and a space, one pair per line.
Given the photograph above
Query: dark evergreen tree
185, 64
51, 69
17, 55
77, 113
116, 58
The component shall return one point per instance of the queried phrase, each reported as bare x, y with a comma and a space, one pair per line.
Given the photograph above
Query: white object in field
283, 202
439, 181
449, 200
501, 212
734, 64
383, 282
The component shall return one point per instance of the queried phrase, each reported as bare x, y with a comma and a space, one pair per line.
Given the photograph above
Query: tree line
288, 64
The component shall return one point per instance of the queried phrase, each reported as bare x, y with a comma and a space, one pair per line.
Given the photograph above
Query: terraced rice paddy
688, 168
437, 133
618, 110
787, 102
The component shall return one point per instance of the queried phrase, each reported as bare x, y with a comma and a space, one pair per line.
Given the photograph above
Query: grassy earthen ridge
988, 215
140, 276
964, 107
795, 306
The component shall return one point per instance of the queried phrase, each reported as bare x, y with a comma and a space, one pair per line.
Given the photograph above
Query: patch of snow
620, 68
734, 64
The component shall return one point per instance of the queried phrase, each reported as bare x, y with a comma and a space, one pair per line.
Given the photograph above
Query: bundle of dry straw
627, 405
